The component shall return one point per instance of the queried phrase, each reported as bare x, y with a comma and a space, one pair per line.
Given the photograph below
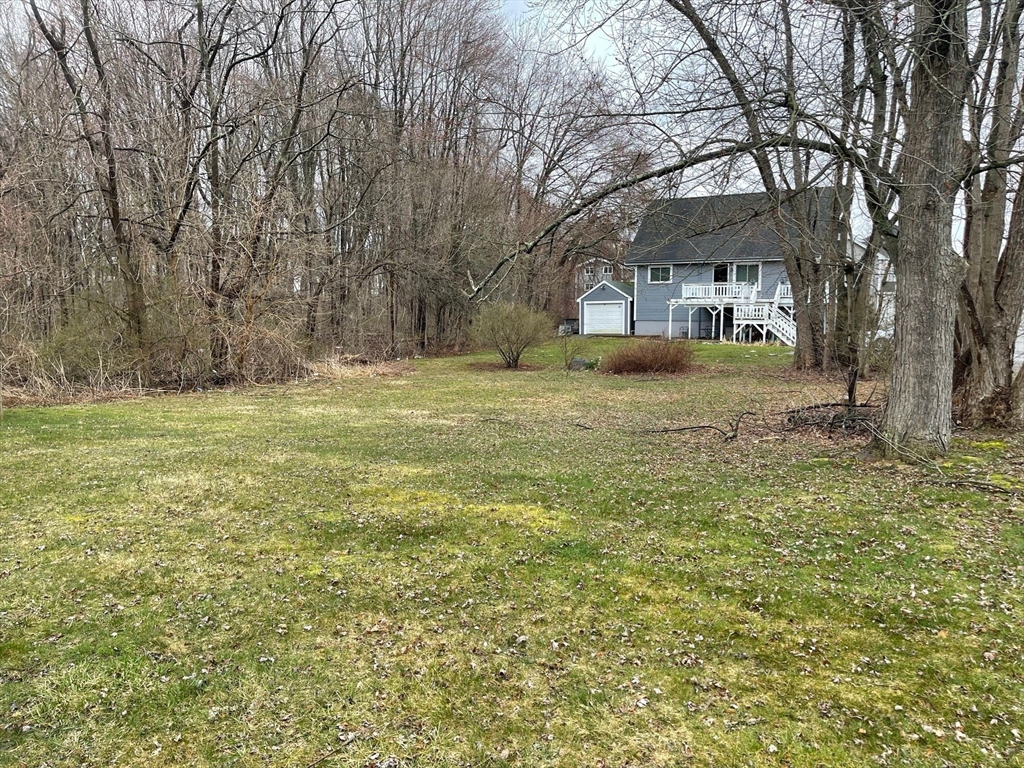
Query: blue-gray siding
652, 299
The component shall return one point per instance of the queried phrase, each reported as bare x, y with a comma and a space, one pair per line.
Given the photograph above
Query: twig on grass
329, 753
730, 435
823, 406
498, 420
669, 430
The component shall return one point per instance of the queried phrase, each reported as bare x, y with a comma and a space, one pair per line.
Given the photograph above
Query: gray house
711, 267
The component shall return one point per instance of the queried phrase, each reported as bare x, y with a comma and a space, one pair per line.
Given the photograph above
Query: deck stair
767, 318
768, 314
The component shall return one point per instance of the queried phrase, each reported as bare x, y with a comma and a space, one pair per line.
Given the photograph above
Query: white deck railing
767, 317
718, 292
756, 312
731, 293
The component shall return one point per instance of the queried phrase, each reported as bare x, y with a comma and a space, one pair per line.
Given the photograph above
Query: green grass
448, 568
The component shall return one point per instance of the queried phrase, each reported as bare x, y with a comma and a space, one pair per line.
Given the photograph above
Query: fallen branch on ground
833, 417
981, 486
726, 435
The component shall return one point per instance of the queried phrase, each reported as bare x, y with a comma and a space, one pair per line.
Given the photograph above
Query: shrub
510, 329
650, 356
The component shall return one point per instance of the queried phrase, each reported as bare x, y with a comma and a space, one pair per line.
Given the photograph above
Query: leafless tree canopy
218, 190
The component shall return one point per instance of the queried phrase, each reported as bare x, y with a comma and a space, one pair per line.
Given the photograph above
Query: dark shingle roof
626, 288
719, 228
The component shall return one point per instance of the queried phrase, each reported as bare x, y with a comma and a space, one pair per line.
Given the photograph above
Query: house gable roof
626, 289
720, 228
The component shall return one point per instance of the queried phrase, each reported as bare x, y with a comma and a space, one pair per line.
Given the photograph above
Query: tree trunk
991, 307
992, 297
810, 341
918, 415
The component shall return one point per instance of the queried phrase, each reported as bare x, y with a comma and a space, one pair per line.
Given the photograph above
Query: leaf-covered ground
466, 566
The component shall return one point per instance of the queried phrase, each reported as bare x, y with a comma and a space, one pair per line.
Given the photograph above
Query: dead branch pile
834, 418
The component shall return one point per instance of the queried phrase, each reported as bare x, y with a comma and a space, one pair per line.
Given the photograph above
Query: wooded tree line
219, 189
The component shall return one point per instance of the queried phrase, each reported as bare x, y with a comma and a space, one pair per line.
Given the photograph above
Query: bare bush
511, 329
650, 356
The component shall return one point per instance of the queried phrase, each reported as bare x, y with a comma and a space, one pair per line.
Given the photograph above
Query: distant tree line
217, 190
199, 191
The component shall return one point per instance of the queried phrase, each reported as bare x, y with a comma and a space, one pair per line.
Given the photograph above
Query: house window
748, 273
588, 277
660, 275
606, 272
721, 273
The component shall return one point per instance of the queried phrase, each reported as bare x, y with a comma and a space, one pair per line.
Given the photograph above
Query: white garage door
606, 317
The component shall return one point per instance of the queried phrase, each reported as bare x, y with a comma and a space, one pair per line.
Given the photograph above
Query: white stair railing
782, 326
768, 318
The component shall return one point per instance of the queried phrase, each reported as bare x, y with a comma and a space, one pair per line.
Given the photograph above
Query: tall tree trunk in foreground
918, 415
992, 296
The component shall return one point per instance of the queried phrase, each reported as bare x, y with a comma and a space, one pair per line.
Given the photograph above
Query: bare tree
84, 68
992, 294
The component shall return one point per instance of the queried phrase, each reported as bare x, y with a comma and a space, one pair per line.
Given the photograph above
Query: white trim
605, 282
636, 282
625, 316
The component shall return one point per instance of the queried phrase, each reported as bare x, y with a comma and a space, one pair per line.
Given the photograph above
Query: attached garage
607, 309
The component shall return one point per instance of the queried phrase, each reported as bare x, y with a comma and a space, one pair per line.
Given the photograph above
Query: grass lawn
468, 566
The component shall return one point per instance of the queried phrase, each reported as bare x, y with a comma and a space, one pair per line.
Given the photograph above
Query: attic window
606, 272
660, 275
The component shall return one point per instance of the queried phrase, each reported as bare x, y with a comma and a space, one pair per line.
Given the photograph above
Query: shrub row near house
650, 356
